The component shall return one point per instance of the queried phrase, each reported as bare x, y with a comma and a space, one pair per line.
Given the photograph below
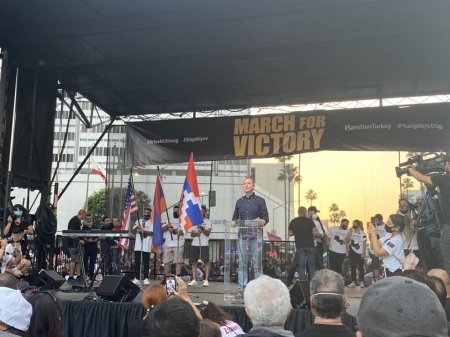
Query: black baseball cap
313, 208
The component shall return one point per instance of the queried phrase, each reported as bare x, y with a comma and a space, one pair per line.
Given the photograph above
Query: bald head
443, 275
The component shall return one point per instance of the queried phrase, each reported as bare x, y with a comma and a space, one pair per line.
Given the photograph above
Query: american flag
130, 208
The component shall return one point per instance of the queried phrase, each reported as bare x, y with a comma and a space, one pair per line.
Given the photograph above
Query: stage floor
213, 293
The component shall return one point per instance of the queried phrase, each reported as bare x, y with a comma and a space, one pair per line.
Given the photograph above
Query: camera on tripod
424, 163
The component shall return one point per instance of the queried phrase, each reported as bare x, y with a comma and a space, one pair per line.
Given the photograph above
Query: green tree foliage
336, 214
311, 196
97, 203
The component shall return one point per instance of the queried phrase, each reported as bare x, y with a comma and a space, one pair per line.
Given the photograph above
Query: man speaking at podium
249, 207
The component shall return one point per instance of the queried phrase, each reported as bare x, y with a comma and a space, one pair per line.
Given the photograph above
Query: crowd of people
404, 298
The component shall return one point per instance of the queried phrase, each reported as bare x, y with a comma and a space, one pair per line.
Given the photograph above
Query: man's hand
261, 222
232, 224
3, 244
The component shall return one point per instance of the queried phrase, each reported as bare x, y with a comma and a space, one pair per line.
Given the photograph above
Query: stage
84, 314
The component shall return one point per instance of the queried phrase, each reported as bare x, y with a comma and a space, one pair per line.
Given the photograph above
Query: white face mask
314, 216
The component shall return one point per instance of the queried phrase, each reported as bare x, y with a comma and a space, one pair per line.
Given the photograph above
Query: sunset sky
361, 183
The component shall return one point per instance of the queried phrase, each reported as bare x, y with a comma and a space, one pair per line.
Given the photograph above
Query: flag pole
167, 211
139, 222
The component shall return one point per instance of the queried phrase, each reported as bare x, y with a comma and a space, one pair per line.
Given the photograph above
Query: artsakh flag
98, 170
273, 237
190, 205
159, 207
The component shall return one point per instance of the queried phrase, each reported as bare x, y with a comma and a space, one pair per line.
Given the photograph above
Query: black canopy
159, 56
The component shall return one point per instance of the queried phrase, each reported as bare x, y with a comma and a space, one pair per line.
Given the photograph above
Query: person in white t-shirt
390, 247
378, 223
319, 241
143, 230
338, 238
200, 248
173, 243
357, 252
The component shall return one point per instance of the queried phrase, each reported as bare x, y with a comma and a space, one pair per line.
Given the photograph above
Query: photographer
442, 182
200, 248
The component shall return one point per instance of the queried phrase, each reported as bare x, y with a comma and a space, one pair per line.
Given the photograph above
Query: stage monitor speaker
50, 279
300, 295
117, 288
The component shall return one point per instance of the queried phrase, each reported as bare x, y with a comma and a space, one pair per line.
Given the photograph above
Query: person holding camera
389, 248
200, 248
442, 182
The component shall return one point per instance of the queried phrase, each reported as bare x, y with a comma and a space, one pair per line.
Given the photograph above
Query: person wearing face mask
143, 231
90, 248
390, 247
357, 253
320, 240
338, 237
19, 222
378, 223
173, 243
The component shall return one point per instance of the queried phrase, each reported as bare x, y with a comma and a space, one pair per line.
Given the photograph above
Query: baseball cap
15, 310
401, 307
313, 208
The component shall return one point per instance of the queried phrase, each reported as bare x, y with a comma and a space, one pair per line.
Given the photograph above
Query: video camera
424, 163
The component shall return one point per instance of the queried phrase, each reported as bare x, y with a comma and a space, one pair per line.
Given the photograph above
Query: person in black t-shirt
73, 245
304, 230
442, 182
90, 248
20, 222
327, 303
105, 244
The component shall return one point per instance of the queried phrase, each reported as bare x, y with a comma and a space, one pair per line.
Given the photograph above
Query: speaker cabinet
300, 295
50, 279
117, 288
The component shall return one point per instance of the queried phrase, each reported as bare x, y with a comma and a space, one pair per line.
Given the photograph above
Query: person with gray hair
327, 303
267, 303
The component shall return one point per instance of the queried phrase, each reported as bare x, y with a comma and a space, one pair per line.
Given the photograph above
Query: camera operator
442, 182
200, 248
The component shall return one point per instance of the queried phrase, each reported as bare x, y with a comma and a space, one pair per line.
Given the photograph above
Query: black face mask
388, 229
344, 226
176, 214
147, 216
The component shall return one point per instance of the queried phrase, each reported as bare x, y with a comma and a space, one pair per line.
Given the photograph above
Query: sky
360, 183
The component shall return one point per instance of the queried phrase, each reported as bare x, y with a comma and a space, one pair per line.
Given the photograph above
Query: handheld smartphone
171, 284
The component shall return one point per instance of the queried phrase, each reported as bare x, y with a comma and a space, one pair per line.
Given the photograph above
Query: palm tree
311, 196
288, 174
336, 214
407, 183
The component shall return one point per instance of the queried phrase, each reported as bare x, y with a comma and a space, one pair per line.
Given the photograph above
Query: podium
243, 256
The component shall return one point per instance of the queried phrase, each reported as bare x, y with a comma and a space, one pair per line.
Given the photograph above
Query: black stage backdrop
108, 319
418, 128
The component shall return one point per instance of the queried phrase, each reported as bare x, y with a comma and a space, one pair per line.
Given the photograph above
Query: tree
289, 174
336, 214
311, 196
407, 183
97, 203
